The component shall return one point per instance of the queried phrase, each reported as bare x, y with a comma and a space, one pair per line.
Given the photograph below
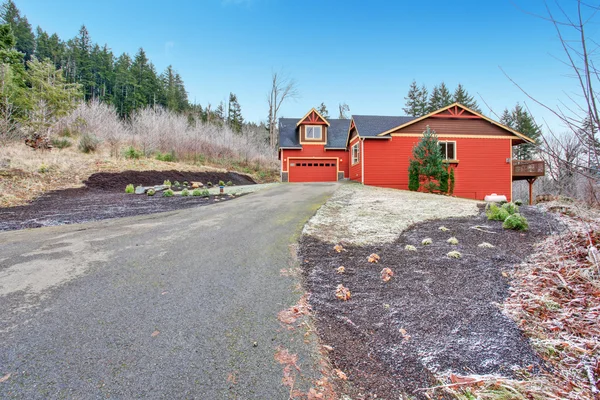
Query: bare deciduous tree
282, 88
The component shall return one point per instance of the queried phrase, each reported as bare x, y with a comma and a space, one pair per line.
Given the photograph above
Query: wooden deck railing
528, 168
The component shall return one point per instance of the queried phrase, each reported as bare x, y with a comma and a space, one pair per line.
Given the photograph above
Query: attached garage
311, 170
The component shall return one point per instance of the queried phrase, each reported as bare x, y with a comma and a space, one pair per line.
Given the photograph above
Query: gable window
448, 150
356, 153
314, 132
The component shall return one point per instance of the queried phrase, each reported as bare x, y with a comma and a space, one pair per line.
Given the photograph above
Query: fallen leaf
386, 274
5, 378
341, 270
462, 379
338, 248
155, 333
342, 292
341, 374
327, 347
373, 258
403, 331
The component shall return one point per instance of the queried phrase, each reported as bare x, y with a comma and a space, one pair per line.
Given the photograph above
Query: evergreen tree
218, 116
462, 96
234, 114
322, 109
147, 89
12, 84
123, 86
440, 97
521, 121
25, 40
174, 90
416, 100
427, 160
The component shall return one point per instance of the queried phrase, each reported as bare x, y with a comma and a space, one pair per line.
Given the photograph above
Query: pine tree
174, 90
440, 98
234, 114
25, 40
427, 159
322, 109
123, 86
521, 121
462, 96
416, 100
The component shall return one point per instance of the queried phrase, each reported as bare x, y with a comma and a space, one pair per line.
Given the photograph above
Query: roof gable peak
313, 117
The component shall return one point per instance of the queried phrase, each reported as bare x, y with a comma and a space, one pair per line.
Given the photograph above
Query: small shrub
454, 254
413, 176
167, 183
61, 143
43, 169
130, 189
185, 192
132, 154
209, 184
444, 176
512, 208
443, 229
451, 182
221, 183
229, 183
516, 222
495, 213
168, 193
205, 193
427, 242
519, 202
196, 193
410, 247
453, 240
186, 183
151, 192
88, 143
486, 245
176, 183
168, 157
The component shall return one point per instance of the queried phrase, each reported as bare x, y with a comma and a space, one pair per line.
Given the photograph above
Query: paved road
156, 306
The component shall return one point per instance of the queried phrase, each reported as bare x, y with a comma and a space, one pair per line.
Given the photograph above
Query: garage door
313, 170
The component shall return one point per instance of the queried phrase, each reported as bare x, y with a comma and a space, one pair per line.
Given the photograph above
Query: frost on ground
360, 215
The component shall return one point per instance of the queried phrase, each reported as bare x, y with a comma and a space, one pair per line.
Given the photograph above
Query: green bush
512, 208
88, 143
132, 154
413, 176
151, 192
176, 183
168, 193
495, 213
205, 193
61, 143
167, 183
516, 222
130, 189
229, 183
221, 183
185, 192
168, 157
451, 184
196, 193
209, 184
444, 175
43, 169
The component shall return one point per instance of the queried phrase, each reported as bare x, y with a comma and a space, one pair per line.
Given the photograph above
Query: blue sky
364, 53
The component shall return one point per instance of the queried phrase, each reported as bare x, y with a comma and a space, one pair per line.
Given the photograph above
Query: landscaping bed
436, 316
103, 196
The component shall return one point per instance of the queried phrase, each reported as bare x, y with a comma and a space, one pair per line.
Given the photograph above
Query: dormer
312, 128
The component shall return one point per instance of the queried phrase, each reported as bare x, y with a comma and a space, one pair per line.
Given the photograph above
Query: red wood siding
482, 167
355, 170
316, 151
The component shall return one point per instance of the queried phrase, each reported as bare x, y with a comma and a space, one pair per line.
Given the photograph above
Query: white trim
357, 145
362, 161
455, 150
306, 127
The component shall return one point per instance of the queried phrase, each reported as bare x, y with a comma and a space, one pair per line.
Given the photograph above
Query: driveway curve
173, 305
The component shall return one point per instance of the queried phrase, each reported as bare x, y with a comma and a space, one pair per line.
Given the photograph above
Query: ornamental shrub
413, 176
185, 192
451, 184
132, 154
196, 193
151, 192
444, 176
516, 222
129, 189
168, 193
512, 208
495, 213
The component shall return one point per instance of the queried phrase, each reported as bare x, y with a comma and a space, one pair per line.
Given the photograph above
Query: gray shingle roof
337, 133
372, 125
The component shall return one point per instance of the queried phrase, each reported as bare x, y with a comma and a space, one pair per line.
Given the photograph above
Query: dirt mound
109, 181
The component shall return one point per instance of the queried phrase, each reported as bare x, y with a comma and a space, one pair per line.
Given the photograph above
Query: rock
160, 188
140, 189
196, 185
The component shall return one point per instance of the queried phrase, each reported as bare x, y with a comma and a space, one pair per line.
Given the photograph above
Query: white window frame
313, 127
356, 157
445, 156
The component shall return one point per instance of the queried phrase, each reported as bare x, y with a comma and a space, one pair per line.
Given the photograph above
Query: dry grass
26, 174
360, 215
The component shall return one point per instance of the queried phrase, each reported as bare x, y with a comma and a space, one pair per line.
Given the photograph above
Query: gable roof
373, 125
337, 133
308, 113
498, 124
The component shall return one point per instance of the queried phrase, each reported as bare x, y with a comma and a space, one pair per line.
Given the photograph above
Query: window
356, 153
448, 150
313, 132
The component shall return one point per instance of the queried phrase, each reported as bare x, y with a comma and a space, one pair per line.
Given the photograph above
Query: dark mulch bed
104, 197
448, 307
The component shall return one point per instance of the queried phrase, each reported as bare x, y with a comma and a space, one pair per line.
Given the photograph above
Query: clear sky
364, 53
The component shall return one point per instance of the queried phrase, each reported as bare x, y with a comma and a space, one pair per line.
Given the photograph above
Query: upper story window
356, 153
448, 150
314, 132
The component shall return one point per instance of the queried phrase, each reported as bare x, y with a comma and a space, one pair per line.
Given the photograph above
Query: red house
375, 150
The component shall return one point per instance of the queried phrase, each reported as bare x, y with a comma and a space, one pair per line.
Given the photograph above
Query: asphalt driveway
174, 305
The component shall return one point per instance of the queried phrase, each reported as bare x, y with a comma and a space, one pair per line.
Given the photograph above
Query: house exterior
376, 150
